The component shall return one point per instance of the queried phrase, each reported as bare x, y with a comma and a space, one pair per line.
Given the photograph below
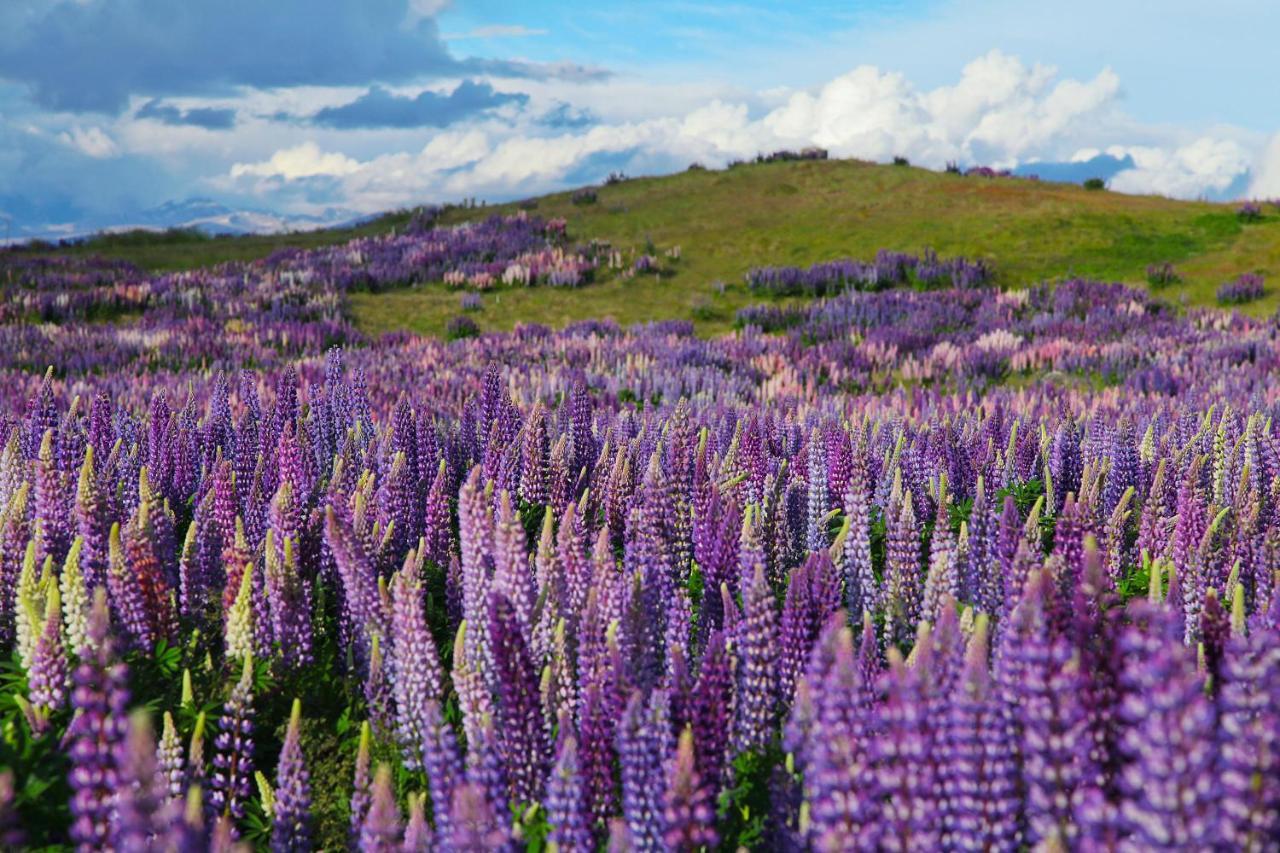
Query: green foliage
744, 807
1095, 184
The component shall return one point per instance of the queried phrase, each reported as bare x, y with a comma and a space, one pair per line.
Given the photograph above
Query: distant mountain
1103, 166
202, 214
214, 217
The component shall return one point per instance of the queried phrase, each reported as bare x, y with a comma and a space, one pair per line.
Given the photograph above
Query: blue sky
328, 108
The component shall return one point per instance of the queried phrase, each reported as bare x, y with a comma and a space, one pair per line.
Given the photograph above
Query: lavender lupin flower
380, 832
96, 732
861, 587
170, 761
415, 665
473, 825
903, 593
417, 832
291, 821
757, 647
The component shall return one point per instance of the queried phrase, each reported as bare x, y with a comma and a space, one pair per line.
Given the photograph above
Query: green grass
797, 213
726, 222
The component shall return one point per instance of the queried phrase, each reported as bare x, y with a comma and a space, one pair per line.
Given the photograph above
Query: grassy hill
726, 222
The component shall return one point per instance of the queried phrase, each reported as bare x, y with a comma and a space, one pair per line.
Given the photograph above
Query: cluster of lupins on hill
889, 269
261, 312
519, 606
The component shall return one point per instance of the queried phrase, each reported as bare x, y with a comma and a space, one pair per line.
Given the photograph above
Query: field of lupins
937, 567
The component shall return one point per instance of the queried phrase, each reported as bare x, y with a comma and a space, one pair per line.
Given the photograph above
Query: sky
330, 109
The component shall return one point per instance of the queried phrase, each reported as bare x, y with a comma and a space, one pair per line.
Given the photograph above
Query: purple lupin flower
598, 723
1249, 741
520, 711
711, 709
49, 675
643, 743
289, 596
170, 761
979, 770
812, 596
437, 520
378, 697
380, 832
93, 522
1040, 680
1170, 784
233, 756
140, 797
53, 505
291, 822
442, 763
360, 786
415, 665
567, 808
757, 648
839, 785
904, 763
486, 768
96, 732
535, 448
688, 804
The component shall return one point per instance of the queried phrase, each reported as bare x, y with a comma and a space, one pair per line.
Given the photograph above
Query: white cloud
1266, 181
1000, 112
1203, 166
301, 161
92, 142
496, 31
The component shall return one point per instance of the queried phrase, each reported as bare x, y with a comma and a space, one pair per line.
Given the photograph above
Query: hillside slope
726, 222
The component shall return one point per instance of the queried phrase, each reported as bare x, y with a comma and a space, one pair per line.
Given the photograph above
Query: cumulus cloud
1266, 181
90, 141
301, 161
1000, 112
1204, 166
210, 118
379, 107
